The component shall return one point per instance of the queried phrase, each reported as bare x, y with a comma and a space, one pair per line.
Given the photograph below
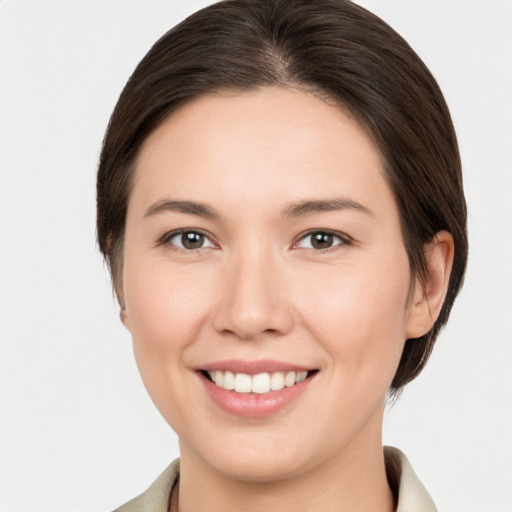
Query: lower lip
254, 405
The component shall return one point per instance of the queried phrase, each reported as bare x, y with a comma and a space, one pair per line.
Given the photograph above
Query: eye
188, 240
321, 240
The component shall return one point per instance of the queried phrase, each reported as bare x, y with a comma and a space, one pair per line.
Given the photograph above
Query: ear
124, 317
428, 296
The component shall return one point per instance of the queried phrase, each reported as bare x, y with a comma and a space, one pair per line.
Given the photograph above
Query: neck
354, 481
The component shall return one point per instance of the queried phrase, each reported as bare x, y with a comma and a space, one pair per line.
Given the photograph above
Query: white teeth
301, 376
261, 383
277, 381
243, 383
289, 380
218, 378
229, 381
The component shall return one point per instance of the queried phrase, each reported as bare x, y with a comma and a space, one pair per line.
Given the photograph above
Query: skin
258, 289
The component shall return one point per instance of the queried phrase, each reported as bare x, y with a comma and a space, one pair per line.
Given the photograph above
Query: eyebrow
188, 207
295, 209
329, 205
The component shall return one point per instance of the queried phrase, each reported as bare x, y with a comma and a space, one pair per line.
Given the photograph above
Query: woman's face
262, 242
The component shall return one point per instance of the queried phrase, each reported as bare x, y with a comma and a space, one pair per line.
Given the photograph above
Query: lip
253, 367
253, 405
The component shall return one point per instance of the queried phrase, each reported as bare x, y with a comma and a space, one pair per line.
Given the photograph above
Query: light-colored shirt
412, 496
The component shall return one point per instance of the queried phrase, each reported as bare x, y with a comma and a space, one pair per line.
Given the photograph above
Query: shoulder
156, 498
410, 492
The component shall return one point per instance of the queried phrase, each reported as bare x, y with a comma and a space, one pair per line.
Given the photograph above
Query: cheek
165, 308
359, 314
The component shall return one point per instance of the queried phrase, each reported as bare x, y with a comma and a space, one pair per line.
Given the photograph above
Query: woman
280, 202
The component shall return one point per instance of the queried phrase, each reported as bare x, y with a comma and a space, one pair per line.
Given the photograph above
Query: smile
261, 383
255, 389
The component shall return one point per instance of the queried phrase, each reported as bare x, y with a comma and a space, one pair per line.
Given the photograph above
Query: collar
410, 493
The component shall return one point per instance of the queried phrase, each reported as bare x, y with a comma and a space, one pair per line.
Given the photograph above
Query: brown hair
335, 49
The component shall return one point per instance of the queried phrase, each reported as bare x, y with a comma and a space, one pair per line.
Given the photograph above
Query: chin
265, 469
268, 458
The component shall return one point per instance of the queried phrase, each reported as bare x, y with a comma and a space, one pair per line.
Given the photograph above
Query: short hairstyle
336, 50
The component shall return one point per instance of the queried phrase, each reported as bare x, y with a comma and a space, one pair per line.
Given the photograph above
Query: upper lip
253, 367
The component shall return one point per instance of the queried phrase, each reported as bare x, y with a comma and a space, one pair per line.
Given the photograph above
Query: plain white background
77, 429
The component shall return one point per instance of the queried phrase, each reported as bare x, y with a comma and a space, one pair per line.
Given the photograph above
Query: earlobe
124, 317
429, 294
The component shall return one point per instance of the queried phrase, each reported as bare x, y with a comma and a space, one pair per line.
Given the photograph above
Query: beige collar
412, 496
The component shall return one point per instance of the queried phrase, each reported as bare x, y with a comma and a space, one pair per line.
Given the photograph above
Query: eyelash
343, 239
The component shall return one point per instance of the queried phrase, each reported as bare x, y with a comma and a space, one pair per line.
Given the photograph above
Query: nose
253, 301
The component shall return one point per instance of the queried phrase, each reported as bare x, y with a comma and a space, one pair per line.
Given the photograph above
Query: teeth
261, 383
301, 376
218, 378
277, 381
289, 380
243, 383
229, 381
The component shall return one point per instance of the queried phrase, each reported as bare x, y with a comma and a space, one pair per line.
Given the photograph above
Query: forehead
269, 143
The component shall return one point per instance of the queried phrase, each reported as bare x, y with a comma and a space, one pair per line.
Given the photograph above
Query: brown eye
192, 240
189, 240
321, 240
